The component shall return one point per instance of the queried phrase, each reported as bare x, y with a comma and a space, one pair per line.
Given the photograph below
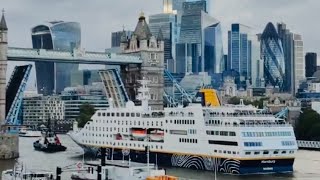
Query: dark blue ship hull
223, 165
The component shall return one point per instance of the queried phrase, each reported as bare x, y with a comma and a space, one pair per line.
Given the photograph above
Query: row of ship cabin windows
98, 135
121, 122
258, 144
266, 134
182, 121
221, 133
106, 129
267, 152
186, 140
103, 114
226, 152
123, 144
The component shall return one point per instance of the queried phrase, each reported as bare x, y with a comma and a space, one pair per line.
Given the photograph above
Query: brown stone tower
151, 50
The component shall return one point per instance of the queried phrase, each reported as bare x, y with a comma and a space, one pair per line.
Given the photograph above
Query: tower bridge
76, 56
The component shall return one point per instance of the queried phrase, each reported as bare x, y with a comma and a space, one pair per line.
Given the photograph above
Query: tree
86, 112
308, 127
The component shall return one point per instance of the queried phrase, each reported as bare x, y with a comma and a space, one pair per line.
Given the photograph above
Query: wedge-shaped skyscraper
273, 56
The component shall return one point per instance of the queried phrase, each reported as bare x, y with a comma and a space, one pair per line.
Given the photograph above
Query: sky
98, 18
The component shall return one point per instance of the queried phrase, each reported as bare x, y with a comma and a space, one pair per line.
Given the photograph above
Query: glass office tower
167, 24
190, 49
293, 55
311, 63
240, 50
273, 57
61, 36
116, 37
213, 49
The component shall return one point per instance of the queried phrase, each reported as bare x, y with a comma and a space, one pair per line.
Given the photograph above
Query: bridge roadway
77, 56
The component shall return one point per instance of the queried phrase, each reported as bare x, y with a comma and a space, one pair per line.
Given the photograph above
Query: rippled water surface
306, 167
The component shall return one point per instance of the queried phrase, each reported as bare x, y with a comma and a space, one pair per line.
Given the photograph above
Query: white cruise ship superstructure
235, 139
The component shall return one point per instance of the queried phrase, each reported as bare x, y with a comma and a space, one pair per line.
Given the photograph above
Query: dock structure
9, 143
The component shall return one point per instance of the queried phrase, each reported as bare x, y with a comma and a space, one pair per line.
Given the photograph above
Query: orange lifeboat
139, 133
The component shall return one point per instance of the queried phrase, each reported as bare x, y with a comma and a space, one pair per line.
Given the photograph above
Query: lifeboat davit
141, 133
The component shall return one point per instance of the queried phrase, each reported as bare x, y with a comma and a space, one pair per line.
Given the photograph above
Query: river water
306, 167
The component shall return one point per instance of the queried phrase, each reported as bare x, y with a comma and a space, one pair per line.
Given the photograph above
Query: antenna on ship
144, 94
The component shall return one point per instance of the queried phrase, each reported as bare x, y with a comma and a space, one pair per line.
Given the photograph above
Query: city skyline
97, 34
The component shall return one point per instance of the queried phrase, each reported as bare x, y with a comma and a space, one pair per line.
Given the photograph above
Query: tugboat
49, 142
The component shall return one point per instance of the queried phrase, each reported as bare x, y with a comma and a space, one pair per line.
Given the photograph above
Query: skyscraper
116, 37
239, 50
56, 35
293, 55
257, 64
190, 49
165, 25
311, 63
244, 54
213, 49
273, 57
298, 69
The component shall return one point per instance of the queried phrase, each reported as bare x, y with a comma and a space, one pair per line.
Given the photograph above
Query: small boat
19, 173
157, 135
28, 132
49, 143
139, 133
120, 170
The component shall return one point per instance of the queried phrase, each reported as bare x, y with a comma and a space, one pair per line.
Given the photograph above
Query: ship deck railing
250, 125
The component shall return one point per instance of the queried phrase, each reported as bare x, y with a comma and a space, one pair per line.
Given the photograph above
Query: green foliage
308, 127
86, 112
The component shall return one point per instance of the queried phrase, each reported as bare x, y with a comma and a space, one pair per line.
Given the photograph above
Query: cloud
99, 18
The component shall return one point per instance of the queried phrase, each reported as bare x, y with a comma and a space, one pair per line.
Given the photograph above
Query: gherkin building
273, 56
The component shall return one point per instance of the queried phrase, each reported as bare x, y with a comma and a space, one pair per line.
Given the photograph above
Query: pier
312, 145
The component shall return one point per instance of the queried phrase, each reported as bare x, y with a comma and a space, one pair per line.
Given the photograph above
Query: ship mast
144, 94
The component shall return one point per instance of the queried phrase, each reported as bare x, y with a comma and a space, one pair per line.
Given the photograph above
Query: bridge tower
3, 67
9, 143
151, 51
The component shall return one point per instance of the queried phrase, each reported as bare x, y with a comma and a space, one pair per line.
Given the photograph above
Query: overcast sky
98, 18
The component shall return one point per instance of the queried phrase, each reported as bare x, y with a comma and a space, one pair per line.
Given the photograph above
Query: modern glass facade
213, 50
116, 37
240, 50
293, 56
58, 35
190, 49
167, 22
273, 57
311, 63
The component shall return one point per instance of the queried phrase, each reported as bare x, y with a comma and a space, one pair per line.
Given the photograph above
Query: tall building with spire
3, 67
151, 50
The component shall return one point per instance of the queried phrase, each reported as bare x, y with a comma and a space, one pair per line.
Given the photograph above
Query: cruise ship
232, 139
